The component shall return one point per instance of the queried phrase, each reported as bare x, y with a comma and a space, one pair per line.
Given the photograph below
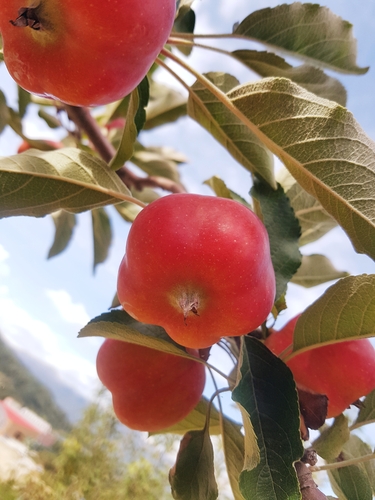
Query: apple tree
286, 383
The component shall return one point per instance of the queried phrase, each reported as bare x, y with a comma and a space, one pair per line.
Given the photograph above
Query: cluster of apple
200, 267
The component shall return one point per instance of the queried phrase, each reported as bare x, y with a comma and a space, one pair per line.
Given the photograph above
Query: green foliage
90, 463
16, 381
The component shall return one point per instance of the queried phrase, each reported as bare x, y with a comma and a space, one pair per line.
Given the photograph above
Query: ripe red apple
344, 371
151, 390
47, 145
200, 267
82, 53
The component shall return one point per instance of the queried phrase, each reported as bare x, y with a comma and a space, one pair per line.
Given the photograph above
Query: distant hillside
65, 397
17, 381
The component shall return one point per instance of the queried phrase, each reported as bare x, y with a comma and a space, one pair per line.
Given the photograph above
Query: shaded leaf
283, 231
350, 483
316, 269
4, 112
64, 225
356, 448
128, 211
119, 325
322, 146
166, 105
184, 23
134, 120
312, 79
366, 414
267, 392
102, 234
66, 179
193, 476
346, 311
332, 439
305, 30
219, 187
234, 453
51, 120
161, 161
315, 222
24, 99
227, 129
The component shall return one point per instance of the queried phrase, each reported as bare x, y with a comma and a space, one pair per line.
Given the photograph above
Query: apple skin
151, 390
84, 54
344, 371
200, 267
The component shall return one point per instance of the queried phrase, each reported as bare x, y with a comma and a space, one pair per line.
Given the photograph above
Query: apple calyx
189, 303
27, 16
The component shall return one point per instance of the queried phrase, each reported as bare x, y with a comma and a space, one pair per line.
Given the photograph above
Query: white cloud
69, 311
4, 268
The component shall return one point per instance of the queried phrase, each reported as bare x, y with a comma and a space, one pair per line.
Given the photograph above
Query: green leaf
64, 225
166, 105
102, 235
196, 420
350, 483
305, 30
193, 476
266, 391
119, 325
316, 269
283, 231
227, 129
315, 222
332, 439
366, 414
346, 311
323, 148
38, 183
312, 79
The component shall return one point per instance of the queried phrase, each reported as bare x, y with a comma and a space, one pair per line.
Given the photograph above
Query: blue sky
43, 304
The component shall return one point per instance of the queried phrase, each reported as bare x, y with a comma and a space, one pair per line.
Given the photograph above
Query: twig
85, 121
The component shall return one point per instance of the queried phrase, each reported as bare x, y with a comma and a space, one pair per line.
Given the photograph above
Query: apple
83, 54
343, 371
151, 390
200, 267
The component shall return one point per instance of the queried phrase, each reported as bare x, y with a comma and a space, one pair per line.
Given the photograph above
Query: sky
44, 303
